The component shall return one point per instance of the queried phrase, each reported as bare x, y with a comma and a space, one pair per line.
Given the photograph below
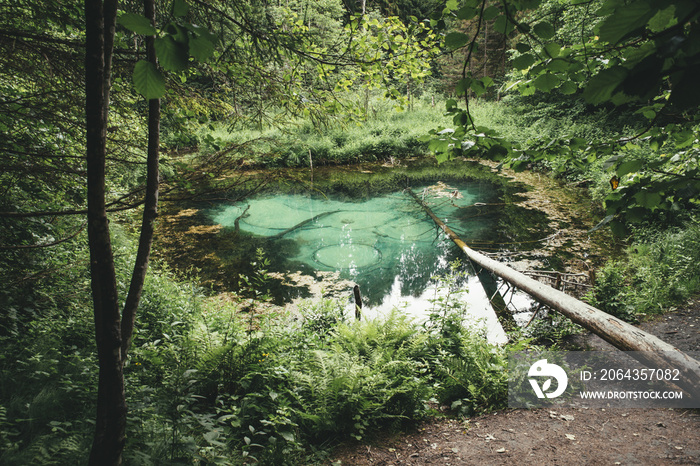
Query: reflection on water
385, 244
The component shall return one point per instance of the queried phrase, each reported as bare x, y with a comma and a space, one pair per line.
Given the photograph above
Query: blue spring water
386, 244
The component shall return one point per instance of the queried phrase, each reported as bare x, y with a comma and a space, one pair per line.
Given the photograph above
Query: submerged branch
305, 222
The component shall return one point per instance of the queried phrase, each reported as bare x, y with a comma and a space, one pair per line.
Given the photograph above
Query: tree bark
150, 208
110, 427
651, 350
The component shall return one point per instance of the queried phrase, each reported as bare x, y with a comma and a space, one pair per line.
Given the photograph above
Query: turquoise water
386, 244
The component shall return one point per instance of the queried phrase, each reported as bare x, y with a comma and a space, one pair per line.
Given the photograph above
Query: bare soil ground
562, 436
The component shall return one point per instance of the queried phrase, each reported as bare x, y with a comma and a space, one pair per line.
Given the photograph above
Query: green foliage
320, 318
389, 135
659, 272
468, 371
549, 329
175, 43
639, 56
207, 382
611, 293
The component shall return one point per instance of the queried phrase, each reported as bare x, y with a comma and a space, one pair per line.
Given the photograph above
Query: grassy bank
390, 135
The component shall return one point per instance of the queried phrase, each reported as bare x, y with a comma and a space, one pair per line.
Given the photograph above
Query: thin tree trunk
150, 208
110, 427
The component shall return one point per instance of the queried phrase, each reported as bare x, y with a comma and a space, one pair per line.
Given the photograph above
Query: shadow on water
355, 222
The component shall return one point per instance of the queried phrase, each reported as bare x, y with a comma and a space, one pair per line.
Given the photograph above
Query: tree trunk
150, 208
627, 337
110, 425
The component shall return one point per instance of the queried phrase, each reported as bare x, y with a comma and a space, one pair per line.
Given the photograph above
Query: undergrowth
208, 382
660, 270
390, 135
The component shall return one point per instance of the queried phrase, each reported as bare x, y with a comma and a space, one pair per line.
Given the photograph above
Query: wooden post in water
653, 351
358, 302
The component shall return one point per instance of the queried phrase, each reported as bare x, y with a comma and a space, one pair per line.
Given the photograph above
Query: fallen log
649, 349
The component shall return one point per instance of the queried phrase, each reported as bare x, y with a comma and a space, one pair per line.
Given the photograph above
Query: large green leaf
648, 199
523, 61
180, 8
148, 80
544, 30
491, 12
455, 40
546, 82
137, 23
201, 48
602, 86
503, 25
466, 12
478, 87
629, 166
568, 88
627, 20
462, 85
172, 55
553, 49
557, 66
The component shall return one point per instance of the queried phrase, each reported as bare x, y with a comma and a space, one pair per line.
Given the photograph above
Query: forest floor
593, 436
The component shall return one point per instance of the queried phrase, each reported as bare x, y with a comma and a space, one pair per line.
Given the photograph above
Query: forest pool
384, 243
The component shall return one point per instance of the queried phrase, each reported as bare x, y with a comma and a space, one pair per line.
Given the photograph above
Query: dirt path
561, 436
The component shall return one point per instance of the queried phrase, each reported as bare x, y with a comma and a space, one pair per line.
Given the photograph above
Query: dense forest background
109, 109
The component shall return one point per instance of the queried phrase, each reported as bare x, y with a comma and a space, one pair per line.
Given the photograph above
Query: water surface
384, 243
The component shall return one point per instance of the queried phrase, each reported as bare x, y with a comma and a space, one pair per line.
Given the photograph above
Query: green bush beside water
658, 271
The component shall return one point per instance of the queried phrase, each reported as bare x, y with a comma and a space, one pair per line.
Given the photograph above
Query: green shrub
660, 271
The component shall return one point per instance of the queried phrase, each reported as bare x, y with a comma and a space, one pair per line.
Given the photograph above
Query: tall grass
389, 134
